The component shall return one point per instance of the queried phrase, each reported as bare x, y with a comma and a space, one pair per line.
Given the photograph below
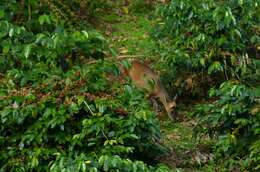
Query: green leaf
238, 33
6, 49
215, 67
81, 99
27, 50
85, 33
11, 32
2, 14
202, 61
84, 166
44, 19
4, 28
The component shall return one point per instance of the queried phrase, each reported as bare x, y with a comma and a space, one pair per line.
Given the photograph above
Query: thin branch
120, 57
92, 113
29, 11
104, 134
225, 69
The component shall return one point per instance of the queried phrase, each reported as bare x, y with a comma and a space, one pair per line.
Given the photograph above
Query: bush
141, 6
216, 38
234, 120
76, 119
23, 49
63, 13
70, 121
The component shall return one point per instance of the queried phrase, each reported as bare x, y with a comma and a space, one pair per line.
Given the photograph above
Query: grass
129, 34
186, 152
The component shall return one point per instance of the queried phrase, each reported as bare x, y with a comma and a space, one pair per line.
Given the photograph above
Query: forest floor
128, 34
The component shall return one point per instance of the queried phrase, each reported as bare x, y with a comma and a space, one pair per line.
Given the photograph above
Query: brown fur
145, 78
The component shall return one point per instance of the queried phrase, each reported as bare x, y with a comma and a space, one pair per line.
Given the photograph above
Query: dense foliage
215, 44
57, 111
200, 38
69, 13
64, 107
234, 118
72, 122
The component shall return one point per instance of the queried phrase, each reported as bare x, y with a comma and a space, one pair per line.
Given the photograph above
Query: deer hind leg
155, 105
167, 107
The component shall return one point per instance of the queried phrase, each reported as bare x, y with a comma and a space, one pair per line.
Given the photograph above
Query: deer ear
175, 97
172, 104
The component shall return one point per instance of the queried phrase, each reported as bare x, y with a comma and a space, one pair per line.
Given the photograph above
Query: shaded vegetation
64, 106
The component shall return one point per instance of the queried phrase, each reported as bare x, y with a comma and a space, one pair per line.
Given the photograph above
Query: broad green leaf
215, 67
11, 32
6, 49
27, 50
85, 33
2, 14
44, 19
4, 28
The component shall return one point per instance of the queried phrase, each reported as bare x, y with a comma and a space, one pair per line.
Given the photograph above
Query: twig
29, 11
129, 56
225, 69
257, 99
104, 134
92, 113
120, 57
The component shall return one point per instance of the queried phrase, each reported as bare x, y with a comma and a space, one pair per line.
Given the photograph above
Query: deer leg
155, 105
167, 107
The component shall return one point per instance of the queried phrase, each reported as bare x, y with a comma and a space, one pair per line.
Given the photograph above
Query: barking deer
145, 78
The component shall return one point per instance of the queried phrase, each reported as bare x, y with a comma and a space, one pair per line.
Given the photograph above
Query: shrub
78, 13
141, 6
71, 121
234, 120
22, 49
216, 38
78, 119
